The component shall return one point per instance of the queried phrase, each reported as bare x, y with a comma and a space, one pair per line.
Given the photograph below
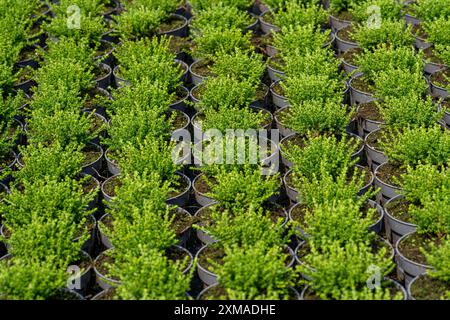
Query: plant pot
181, 31
181, 104
344, 45
113, 167
104, 294
357, 96
120, 82
102, 280
181, 199
94, 166
338, 24
446, 116
396, 228
93, 204
284, 131
207, 277
86, 276
274, 74
420, 43
33, 63
88, 245
439, 288
409, 19
410, 268
266, 27
109, 198
279, 101
377, 226
104, 81
294, 294
103, 236
196, 79
11, 165
66, 294
437, 90
200, 197
366, 125
112, 11
108, 57
375, 157
388, 191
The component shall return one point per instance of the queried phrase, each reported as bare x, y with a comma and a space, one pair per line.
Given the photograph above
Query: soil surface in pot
111, 185
179, 120
217, 292
441, 78
91, 154
171, 24
178, 44
373, 140
201, 68
278, 89
428, 288
361, 84
370, 111
346, 34
389, 173
410, 247
418, 31
343, 15
277, 63
350, 55
179, 94
177, 255
179, 187
104, 48
101, 265
6, 160
181, 222
399, 209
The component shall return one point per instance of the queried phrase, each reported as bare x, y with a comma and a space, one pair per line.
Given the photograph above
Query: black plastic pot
344, 45
181, 31
181, 104
338, 24
367, 126
102, 280
279, 101
108, 57
266, 27
104, 81
95, 166
294, 292
183, 198
11, 166
196, 79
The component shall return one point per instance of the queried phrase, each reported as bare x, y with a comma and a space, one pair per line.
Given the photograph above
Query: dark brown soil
180, 94
178, 44
197, 92
100, 72
211, 252
441, 78
374, 139
108, 222
361, 84
399, 210
101, 265
296, 140
91, 154
179, 121
201, 184
419, 31
431, 56
428, 288
411, 246
171, 24
103, 49
387, 172
201, 68
346, 34
350, 55
278, 89
181, 222
367, 174
215, 293
7, 160
178, 189
89, 185
110, 186
298, 214
175, 254
370, 111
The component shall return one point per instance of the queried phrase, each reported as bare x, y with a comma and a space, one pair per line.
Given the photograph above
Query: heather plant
318, 117
270, 278
239, 65
56, 95
300, 37
296, 13
151, 276
439, 258
226, 91
167, 6
138, 22
389, 9
68, 49
94, 7
438, 31
338, 6
221, 16
428, 10
319, 61
213, 41
414, 145
443, 52
205, 4
342, 272
392, 33
54, 161
226, 118
409, 110
398, 83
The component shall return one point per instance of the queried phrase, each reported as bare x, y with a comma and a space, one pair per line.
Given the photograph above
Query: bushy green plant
372, 62
338, 222
9, 130
167, 6
306, 87
139, 22
424, 180
392, 33
205, 4
54, 161
151, 276
63, 127
443, 52
226, 118
94, 7
317, 116
439, 258
221, 16
56, 96
214, 41
410, 109
389, 9
242, 187
68, 49
414, 145
255, 272
46, 198
438, 31
300, 37
338, 6
324, 154
295, 13
226, 91
318, 61
428, 10
398, 83
239, 65
24, 280
148, 156
342, 272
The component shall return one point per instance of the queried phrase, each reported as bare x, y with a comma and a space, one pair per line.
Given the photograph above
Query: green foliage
423, 181
139, 22
438, 31
151, 276
399, 83
307, 87
9, 129
225, 91
226, 118
319, 61
384, 57
70, 50
94, 7
154, 57
443, 52
22, 280
221, 16
428, 10
54, 161
338, 223
439, 258
64, 127
304, 38
389, 9
167, 6
318, 117
212, 41
254, 273
411, 146
392, 33
242, 187
341, 273
295, 14
323, 155
337, 6
239, 65
205, 4
48, 200
407, 110
147, 157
